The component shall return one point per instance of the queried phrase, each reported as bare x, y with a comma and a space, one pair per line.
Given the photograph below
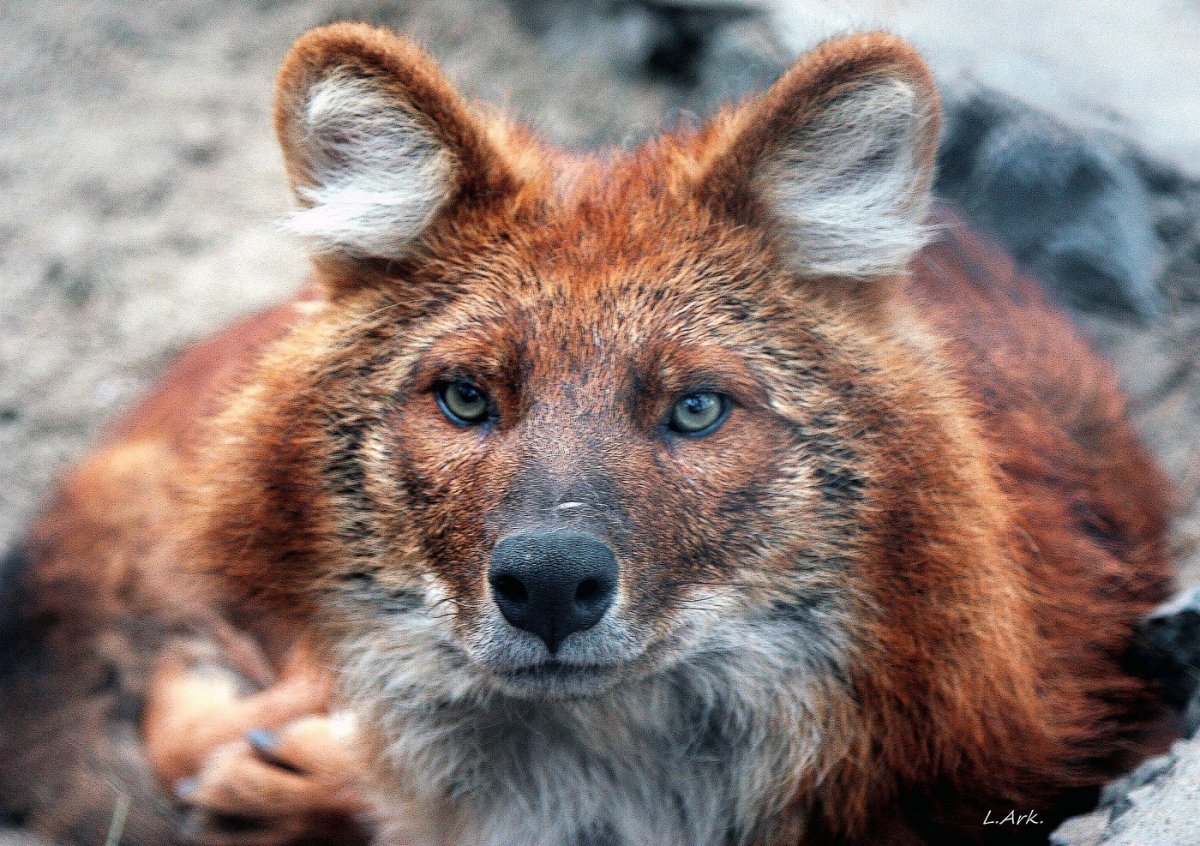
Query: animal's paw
203, 695
270, 788
194, 704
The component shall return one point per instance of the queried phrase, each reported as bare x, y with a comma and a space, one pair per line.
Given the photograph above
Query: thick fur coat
885, 597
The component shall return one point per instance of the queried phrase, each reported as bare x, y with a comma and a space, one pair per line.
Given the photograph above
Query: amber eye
699, 413
462, 402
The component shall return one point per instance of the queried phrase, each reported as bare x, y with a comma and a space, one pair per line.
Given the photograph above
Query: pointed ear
377, 144
837, 158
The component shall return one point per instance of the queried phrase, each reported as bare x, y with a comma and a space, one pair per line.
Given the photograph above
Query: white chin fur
692, 755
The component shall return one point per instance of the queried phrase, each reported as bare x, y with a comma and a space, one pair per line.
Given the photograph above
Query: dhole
709, 493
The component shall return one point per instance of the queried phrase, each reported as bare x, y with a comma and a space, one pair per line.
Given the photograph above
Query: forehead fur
611, 234
610, 262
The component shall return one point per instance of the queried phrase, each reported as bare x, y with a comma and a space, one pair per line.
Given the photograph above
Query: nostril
588, 590
510, 588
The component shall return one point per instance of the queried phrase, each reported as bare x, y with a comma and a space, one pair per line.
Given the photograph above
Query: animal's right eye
461, 402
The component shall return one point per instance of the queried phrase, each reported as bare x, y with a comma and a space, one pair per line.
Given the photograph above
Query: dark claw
266, 743
196, 823
233, 824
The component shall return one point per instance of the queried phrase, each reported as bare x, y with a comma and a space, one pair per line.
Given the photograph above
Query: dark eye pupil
698, 403
462, 402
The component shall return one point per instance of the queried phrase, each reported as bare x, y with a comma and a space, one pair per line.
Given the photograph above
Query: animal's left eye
699, 413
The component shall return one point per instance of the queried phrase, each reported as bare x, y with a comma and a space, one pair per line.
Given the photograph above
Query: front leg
259, 767
297, 784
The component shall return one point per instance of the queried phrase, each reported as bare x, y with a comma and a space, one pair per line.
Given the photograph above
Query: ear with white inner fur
376, 142
839, 155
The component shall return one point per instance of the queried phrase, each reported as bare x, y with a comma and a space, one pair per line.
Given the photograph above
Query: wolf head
568, 420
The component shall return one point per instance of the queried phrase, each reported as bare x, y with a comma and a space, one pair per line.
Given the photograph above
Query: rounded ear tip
868, 53
318, 51
843, 63
370, 47
345, 36
862, 56
345, 42
311, 53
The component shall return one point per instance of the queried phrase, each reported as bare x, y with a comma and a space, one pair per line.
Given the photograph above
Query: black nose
553, 583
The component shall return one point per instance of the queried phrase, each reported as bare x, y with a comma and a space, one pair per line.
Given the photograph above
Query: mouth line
558, 669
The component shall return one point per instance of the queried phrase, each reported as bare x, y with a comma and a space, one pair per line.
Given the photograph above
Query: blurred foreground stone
1158, 804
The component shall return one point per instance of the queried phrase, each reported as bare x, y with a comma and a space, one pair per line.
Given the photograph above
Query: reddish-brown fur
1003, 526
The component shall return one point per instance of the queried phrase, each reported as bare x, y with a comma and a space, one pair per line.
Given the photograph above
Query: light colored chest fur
707, 752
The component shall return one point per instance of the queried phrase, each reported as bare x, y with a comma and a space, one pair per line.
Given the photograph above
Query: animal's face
595, 461
569, 421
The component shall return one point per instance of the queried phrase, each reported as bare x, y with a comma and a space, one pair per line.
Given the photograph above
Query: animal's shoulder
1049, 404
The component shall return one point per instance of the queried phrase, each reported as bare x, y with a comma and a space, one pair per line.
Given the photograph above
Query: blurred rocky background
141, 192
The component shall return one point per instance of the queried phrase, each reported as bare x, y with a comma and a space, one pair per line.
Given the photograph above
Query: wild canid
709, 493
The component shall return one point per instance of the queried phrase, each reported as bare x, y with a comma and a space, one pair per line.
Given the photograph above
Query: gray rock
1156, 805
662, 40
17, 837
1081, 831
1073, 210
1116, 796
702, 52
1169, 650
1159, 802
